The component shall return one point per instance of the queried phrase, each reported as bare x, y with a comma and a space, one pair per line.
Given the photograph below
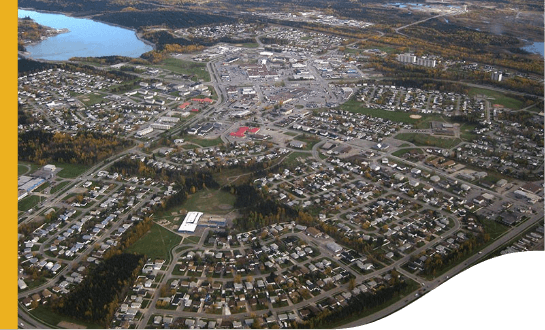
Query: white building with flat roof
190, 222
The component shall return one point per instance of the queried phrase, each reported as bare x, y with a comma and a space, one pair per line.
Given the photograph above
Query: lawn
466, 132
192, 240
250, 45
157, 243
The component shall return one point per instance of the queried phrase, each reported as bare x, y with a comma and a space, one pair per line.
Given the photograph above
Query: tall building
406, 58
497, 75
429, 63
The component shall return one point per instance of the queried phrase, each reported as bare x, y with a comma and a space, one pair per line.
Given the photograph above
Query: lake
86, 38
536, 47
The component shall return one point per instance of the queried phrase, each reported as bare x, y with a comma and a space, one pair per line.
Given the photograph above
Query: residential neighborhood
265, 185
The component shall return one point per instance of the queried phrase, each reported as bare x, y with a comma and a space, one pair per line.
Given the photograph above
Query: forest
85, 148
97, 297
83, 8
174, 19
438, 31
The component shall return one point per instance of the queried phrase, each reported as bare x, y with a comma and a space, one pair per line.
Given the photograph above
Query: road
426, 19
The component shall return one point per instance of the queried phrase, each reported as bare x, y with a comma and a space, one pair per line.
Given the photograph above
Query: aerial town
278, 184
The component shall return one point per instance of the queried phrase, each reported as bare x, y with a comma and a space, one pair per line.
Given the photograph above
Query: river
86, 38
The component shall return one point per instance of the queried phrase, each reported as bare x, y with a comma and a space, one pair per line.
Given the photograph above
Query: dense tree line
98, 296
82, 8
26, 66
174, 19
129, 237
186, 182
258, 210
23, 117
438, 262
105, 60
357, 305
84, 148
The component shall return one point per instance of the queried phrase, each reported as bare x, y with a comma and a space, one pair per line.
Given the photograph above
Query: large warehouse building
190, 222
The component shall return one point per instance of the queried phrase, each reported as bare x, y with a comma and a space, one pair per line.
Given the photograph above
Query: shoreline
91, 17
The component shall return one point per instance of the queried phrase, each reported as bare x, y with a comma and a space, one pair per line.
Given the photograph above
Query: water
536, 47
86, 38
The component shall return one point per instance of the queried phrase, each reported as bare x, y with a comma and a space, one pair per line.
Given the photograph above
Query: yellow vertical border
8, 240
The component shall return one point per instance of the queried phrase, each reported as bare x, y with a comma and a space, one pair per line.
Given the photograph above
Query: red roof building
242, 131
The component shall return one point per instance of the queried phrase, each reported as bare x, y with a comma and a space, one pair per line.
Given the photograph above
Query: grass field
210, 201
92, 98
466, 132
28, 202
357, 107
157, 243
428, 140
25, 168
203, 142
59, 186
310, 140
401, 152
46, 315
250, 45
291, 160
70, 171
186, 67
498, 98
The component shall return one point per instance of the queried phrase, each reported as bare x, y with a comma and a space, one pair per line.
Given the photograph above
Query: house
297, 144
311, 231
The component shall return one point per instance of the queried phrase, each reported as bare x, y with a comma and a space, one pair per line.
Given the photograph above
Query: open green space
291, 159
401, 152
70, 171
466, 132
157, 243
310, 140
59, 186
231, 176
397, 116
428, 140
26, 168
203, 142
22, 169
497, 98
250, 45
210, 201
494, 228
45, 315
186, 67
43, 186
92, 98
386, 49
28, 202
192, 240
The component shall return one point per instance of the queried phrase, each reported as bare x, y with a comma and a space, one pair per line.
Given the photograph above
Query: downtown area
291, 167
